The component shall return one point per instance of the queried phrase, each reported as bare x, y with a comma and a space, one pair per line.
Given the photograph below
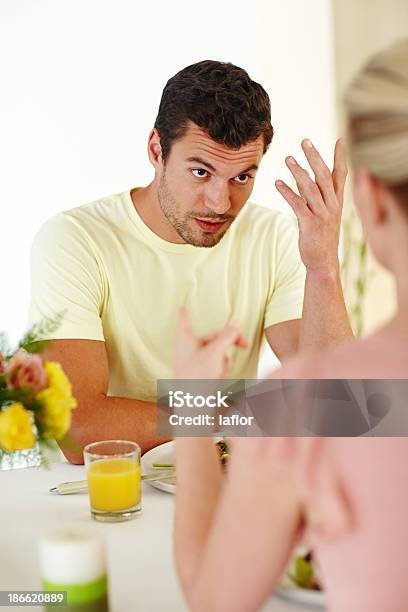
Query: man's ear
154, 149
371, 197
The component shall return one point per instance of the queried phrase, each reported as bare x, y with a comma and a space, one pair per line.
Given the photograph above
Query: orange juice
114, 484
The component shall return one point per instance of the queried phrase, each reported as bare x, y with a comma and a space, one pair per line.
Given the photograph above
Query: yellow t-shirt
119, 282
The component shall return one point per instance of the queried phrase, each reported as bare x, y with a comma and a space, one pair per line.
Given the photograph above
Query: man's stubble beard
179, 221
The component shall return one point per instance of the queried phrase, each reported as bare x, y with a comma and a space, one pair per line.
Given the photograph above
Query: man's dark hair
218, 97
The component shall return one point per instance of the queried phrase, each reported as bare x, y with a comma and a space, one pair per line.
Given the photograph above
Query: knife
79, 486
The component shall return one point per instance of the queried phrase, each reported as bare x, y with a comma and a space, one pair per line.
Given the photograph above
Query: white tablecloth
141, 570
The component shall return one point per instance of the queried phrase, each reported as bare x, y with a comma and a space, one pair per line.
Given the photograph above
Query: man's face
204, 185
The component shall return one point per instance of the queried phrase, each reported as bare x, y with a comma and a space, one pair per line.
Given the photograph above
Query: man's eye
242, 179
199, 172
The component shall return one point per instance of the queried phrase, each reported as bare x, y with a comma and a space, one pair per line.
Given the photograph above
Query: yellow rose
16, 428
54, 418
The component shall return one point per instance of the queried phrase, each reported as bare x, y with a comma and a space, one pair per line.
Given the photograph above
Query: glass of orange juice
114, 479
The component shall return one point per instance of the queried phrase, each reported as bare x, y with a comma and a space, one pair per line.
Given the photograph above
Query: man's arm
318, 209
97, 416
324, 320
283, 338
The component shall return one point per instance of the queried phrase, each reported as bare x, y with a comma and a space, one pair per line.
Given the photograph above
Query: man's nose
217, 199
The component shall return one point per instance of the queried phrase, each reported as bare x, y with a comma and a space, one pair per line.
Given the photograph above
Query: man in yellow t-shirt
121, 267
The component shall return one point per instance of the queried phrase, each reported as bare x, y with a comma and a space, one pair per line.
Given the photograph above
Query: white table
141, 570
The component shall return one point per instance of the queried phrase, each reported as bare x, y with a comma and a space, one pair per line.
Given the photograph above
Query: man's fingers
323, 176
297, 204
339, 173
307, 187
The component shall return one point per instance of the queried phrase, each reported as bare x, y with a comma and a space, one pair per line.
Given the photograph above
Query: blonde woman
348, 495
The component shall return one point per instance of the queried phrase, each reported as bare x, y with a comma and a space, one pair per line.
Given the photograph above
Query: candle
73, 560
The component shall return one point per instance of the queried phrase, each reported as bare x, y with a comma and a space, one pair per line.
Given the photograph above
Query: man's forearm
324, 320
111, 418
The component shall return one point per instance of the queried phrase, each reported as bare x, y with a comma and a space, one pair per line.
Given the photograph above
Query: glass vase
30, 457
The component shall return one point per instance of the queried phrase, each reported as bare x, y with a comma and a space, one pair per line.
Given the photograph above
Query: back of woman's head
377, 109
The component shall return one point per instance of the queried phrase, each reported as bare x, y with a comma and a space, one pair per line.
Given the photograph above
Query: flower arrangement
35, 395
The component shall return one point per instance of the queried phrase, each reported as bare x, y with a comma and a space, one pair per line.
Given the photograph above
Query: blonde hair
377, 108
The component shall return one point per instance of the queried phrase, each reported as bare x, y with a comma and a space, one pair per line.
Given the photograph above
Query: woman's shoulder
382, 355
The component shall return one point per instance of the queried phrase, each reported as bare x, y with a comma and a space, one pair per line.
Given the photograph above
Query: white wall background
80, 85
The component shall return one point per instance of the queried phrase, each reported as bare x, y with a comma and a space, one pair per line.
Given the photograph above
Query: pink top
355, 490
355, 493
382, 355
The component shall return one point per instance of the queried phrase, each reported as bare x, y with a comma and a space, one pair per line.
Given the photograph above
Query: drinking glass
114, 479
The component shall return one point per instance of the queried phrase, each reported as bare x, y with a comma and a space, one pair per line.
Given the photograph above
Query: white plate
290, 591
164, 453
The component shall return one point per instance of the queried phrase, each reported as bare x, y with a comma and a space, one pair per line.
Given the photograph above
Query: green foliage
354, 270
32, 342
